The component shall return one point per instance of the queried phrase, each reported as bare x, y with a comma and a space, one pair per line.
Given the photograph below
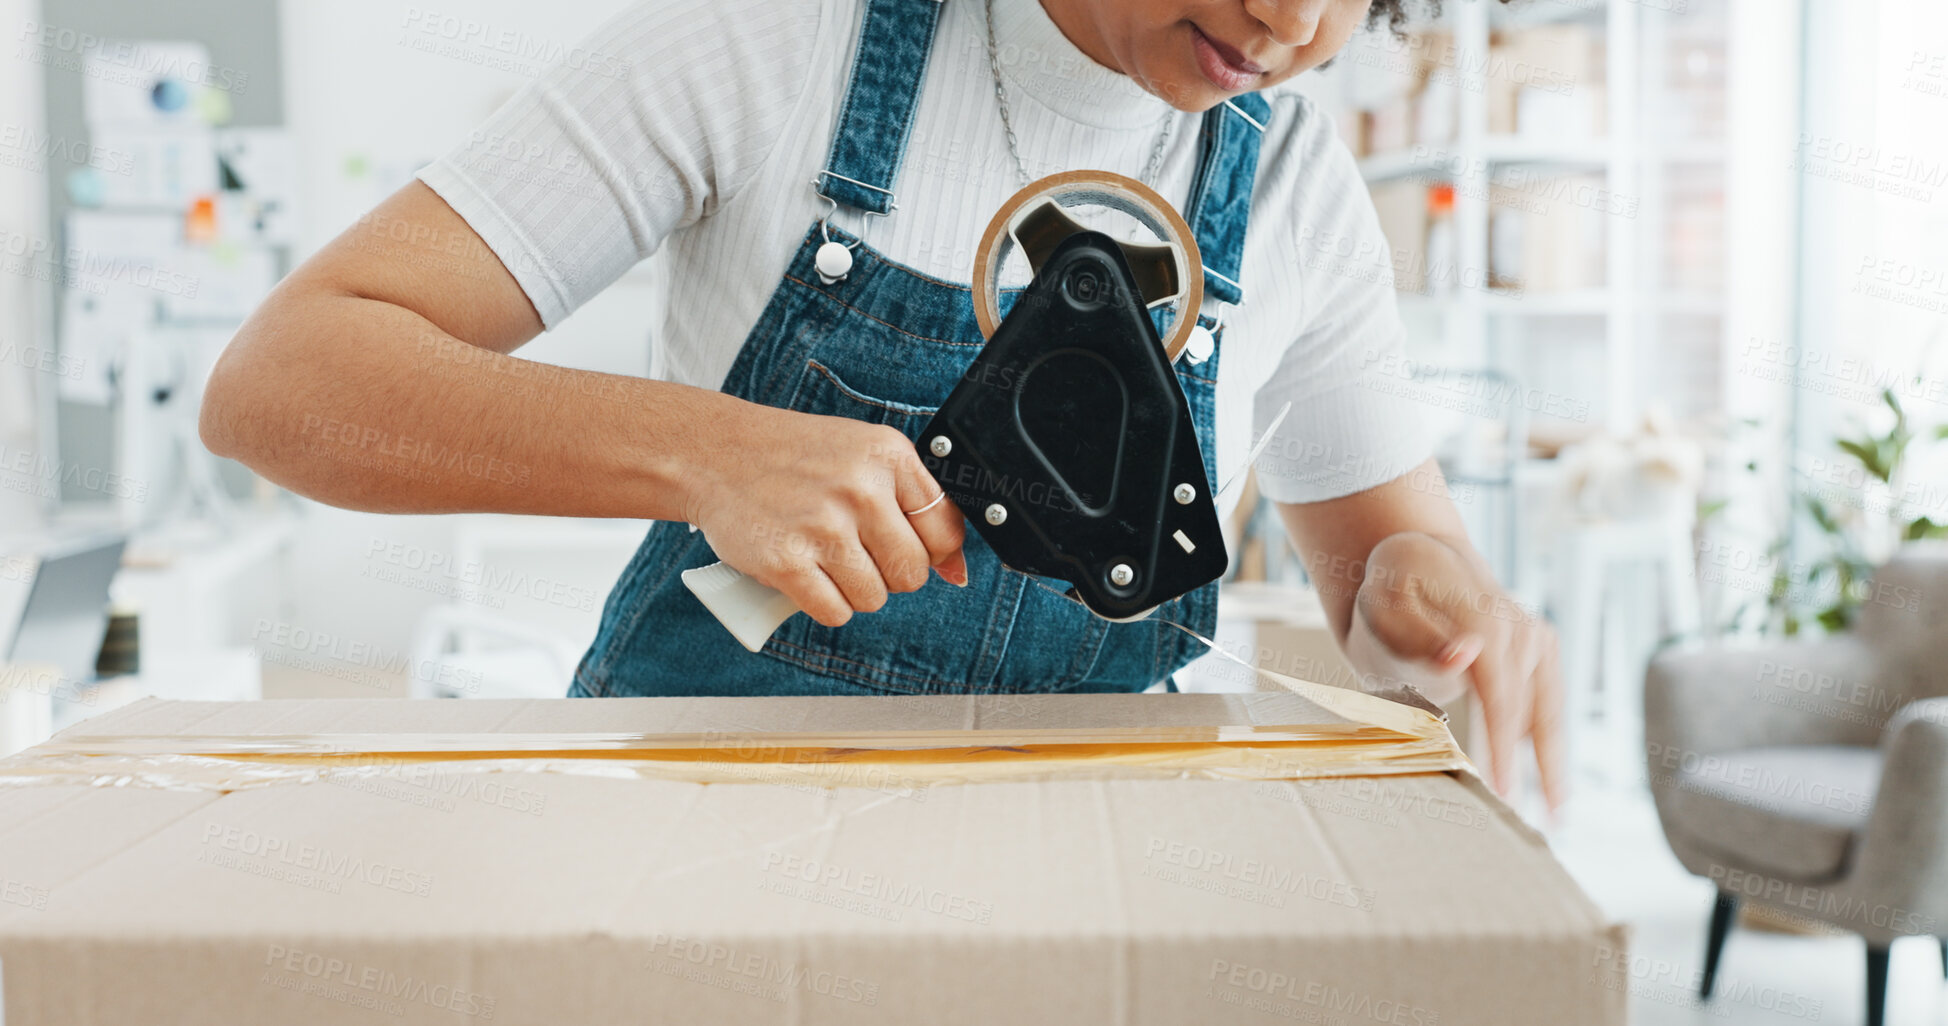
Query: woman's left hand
1430, 605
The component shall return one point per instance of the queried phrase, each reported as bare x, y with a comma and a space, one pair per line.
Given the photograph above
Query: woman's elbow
230, 402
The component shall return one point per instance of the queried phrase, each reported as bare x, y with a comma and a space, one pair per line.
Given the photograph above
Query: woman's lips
1223, 65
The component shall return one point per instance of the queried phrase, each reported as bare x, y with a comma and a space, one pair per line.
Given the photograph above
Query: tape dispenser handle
751, 611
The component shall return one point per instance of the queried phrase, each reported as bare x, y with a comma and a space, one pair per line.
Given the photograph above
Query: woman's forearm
364, 404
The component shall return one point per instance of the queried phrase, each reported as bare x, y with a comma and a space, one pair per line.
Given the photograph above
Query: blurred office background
1675, 275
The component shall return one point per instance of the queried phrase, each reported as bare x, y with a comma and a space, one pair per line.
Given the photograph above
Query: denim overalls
887, 344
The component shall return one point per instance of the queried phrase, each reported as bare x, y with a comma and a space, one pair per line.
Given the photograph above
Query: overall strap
1220, 193
890, 61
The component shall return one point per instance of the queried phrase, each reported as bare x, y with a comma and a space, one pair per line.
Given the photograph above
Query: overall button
1200, 345
833, 261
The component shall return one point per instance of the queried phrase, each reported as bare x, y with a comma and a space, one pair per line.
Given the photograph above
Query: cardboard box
1402, 208
511, 872
1558, 62
1548, 233
1284, 629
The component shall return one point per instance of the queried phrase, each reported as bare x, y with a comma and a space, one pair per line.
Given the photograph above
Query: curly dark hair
1396, 12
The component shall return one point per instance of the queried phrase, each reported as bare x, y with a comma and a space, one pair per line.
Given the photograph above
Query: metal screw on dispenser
941, 445
1121, 575
997, 514
1184, 494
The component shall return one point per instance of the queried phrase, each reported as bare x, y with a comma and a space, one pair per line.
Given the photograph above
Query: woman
740, 136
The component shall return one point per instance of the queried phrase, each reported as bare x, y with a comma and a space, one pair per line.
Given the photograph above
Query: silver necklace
1008, 126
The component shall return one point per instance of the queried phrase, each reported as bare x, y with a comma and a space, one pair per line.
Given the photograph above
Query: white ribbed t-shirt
691, 129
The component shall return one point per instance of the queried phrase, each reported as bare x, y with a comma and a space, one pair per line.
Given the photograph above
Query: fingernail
1460, 650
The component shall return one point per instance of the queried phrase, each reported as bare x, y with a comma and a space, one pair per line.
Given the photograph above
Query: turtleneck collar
1039, 61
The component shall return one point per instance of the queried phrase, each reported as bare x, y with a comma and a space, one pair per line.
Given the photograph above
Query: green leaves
1826, 587
1869, 454
1881, 455
1922, 527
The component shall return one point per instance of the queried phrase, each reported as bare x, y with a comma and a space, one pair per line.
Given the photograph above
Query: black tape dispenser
1068, 443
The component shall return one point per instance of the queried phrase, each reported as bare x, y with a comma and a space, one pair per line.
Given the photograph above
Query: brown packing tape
788, 766
1357, 735
1123, 190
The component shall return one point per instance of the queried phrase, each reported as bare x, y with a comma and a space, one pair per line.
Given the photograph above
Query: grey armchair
1811, 776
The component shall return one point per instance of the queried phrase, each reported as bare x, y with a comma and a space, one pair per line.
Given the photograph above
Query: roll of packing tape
1034, 222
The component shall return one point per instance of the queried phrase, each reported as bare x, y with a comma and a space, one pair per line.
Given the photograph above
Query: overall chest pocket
940, 639
821, 390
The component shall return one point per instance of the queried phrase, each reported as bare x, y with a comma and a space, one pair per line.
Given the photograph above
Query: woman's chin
1188, 93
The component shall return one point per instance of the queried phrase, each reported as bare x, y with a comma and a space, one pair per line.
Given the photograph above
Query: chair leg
1876, 985
1944, 957
1722, 915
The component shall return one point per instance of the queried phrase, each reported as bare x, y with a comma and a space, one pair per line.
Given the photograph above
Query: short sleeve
645, 127
1347, 431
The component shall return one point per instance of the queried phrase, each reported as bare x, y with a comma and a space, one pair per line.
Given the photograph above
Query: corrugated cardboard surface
440, 896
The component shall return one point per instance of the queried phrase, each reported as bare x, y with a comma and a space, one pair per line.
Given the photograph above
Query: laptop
65, 616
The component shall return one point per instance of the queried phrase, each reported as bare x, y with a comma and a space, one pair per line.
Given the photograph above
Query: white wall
23, 212
358, 94
1874, 167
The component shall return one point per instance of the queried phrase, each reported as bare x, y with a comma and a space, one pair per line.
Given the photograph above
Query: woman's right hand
813, 506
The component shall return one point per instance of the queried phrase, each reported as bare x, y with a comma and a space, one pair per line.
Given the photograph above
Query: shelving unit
1629, 323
